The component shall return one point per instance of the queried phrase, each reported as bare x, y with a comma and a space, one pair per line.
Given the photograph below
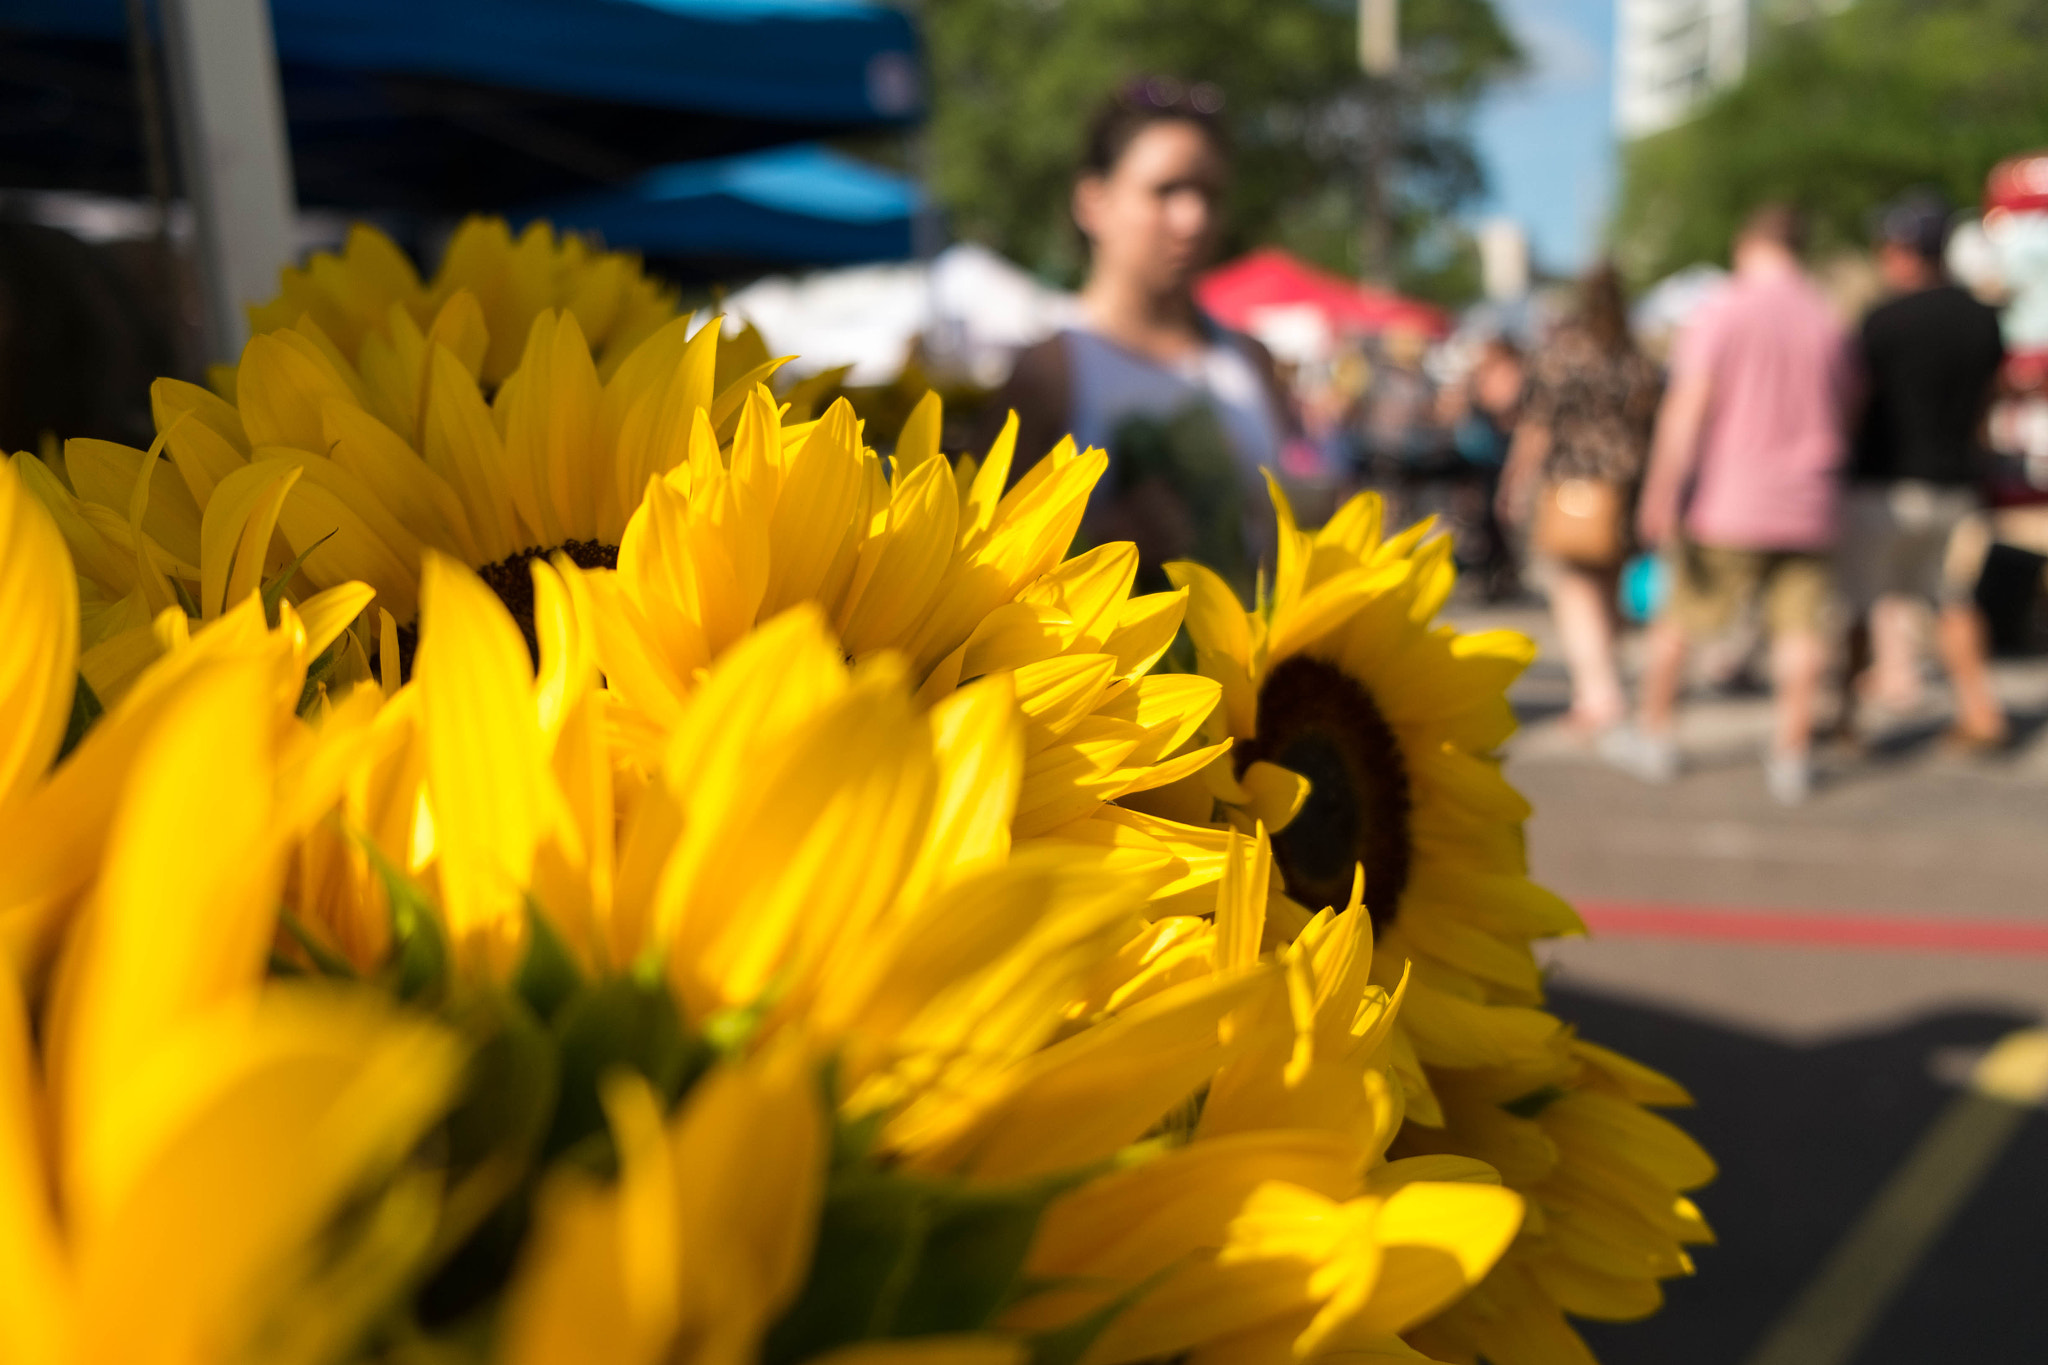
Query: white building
1669, 55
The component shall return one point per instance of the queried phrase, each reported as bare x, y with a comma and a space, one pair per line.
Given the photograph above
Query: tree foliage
1839, 114
1016, 81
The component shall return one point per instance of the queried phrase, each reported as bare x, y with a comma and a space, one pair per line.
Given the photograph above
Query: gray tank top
1205, 424
1110, 385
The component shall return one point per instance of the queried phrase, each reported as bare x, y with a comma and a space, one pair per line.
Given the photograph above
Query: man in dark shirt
1929, 357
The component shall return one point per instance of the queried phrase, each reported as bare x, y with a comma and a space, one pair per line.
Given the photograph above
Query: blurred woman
1481, 414
1188, 411
1575, 465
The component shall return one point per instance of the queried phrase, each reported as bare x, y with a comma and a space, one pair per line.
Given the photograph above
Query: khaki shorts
1895, 541
1711, 586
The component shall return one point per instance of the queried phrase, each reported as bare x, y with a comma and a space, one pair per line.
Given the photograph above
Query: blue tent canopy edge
803, 203
795, 60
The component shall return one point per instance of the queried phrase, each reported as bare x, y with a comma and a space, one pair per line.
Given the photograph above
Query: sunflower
1268, 1219
360, 473
992, 1012
58, 814
133, 596
1005, 1021
350, 296
944, 565
178, 1141
388, 409
717, 506
1369, 735
749, 917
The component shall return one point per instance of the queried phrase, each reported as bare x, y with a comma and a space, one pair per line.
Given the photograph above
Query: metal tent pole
1379, 57
228, 107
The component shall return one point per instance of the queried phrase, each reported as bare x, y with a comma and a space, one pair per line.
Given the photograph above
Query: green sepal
184, 596
510, 1089
731, 1029
619, 1022
1067, 1345
85, 713
318, 672
324, 959
548, 974
853, 1140
418, 968
1535, 1102
907, 1256
489, 1144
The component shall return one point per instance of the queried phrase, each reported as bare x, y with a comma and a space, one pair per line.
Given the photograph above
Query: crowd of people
1795, 468
1784, 466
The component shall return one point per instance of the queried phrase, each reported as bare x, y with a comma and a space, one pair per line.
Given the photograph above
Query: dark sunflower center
1317, 721
512, 580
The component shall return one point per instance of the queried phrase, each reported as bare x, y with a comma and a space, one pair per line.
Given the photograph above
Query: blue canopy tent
787, 205
443, 106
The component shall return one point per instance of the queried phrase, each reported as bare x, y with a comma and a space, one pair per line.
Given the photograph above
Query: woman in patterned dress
1588, 414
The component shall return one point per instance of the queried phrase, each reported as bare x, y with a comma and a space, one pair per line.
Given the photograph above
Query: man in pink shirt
1753, 424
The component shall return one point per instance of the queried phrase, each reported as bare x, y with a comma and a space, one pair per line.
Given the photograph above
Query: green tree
1839, 114
1015, 82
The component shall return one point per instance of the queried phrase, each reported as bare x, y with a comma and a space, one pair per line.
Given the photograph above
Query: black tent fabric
448, 106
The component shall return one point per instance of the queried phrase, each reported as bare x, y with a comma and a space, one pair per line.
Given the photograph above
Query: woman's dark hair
1142, 103
1603, 309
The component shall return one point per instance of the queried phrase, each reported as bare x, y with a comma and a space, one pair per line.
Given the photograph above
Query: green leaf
618, 1022
85, 712
273, 591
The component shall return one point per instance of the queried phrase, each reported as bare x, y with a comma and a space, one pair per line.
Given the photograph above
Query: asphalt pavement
1855, 991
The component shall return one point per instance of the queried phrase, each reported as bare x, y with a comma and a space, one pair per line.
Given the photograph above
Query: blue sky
1547, 140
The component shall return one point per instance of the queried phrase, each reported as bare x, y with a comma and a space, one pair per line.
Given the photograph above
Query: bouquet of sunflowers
524, 845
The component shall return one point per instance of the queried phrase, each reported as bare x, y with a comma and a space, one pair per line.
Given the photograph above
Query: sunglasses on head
1169, 96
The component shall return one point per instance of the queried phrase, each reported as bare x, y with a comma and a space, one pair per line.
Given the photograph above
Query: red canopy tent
1272, 278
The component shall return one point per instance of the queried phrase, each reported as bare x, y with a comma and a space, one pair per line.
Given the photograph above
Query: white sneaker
1789, 777
1644, 756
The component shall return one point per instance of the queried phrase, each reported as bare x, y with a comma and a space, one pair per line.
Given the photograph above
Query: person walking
1929, 358
1575, 464
1753, 424
1481, 414
1189, 411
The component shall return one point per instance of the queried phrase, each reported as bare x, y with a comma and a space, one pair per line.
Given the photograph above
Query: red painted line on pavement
1821, 929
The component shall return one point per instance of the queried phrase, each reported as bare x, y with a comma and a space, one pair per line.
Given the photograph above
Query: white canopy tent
972, 309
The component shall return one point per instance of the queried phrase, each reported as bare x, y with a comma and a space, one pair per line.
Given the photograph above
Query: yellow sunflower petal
487, 768
39, 601
35, 1283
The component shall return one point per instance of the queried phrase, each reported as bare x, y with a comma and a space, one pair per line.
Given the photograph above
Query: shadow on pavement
1805, 1137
